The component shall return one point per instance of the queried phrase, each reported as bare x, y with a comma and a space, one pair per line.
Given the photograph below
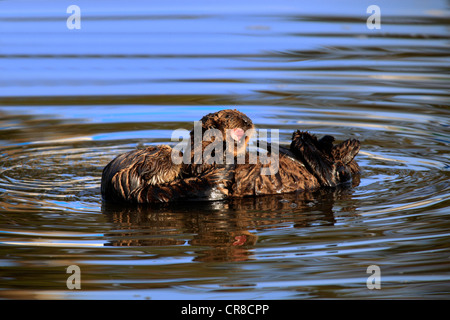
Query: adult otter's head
234, 126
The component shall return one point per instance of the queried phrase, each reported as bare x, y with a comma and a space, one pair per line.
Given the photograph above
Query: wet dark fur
330, 164
308, 164
125, 177
131, 176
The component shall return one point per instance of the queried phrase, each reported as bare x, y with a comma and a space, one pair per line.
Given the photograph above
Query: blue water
71, 100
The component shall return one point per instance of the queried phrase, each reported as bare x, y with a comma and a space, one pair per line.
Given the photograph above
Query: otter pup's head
234, 125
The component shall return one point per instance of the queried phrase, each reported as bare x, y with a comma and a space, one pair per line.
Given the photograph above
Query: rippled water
71, 100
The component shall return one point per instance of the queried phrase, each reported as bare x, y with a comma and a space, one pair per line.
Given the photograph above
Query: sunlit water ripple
72, 100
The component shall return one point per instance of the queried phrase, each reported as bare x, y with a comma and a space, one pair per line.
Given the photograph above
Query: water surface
71, 100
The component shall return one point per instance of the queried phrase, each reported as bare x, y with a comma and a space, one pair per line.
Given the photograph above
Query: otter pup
149, 175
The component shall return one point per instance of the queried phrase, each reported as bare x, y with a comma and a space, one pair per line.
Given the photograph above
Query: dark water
71, 100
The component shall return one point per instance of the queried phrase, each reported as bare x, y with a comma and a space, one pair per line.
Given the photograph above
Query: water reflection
72, 100
221, 230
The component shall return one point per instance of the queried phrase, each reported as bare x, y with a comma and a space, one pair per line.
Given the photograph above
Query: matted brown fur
149, 175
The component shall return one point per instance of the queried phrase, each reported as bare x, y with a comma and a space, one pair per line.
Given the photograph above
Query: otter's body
150, 176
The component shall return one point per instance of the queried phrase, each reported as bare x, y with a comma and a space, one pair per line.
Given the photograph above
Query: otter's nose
237, 134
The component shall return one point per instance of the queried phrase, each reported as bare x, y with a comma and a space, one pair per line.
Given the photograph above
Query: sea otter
149, 175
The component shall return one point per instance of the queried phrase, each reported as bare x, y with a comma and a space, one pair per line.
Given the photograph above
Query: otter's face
237, 134
232, 123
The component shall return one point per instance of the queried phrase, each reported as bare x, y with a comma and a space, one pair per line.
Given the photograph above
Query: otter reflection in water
220, 230
148, 176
